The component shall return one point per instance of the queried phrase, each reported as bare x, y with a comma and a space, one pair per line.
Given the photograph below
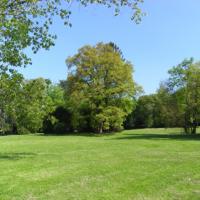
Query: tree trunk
101, 128
194, 130
194, 127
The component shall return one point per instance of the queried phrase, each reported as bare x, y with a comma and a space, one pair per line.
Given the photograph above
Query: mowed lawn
149, 164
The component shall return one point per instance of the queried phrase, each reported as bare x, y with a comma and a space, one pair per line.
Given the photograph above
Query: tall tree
100, 87
185, 80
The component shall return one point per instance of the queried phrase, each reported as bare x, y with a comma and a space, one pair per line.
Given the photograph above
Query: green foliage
163, 109
25, 103
144, 112
33, 105
178, 75
185, 81
26, 23
111, 118
176, 103
58, 121
10, 97
56, 94
99, 84
58, 118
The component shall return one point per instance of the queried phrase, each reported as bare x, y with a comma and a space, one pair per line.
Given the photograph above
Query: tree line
175, 104
99, 95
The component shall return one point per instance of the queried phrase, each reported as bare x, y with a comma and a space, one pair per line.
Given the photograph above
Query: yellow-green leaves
100, 82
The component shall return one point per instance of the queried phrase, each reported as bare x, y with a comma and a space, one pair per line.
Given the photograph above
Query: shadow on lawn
78, 134
16, 156
158, 137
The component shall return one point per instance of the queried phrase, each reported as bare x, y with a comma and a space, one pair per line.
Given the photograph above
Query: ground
148, 164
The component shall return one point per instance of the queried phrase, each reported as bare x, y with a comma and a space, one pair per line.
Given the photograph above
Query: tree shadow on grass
66, 134
84, 134
16, 156
140, 136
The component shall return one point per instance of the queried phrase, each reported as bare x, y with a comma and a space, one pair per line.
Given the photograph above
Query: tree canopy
26, 24
25, 103
100, 87
185, 81
175, 104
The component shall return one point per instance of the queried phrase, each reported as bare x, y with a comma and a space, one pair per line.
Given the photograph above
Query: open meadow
152, 164
74, 74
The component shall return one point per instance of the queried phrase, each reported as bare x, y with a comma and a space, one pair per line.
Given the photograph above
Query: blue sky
169, 33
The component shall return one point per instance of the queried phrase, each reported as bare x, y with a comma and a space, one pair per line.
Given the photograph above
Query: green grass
149, 164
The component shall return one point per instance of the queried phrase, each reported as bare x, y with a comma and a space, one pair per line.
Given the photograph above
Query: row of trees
24, 104
29, 106
176, 103
99, 95
99, 91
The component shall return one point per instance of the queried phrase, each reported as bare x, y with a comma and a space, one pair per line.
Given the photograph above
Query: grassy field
149, 164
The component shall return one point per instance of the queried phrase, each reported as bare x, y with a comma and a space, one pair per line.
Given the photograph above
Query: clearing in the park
153, 164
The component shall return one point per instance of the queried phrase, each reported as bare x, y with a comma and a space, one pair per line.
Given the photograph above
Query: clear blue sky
169, 33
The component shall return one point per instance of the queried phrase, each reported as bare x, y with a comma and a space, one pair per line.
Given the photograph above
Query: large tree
26, 23
100, 87
185, 81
